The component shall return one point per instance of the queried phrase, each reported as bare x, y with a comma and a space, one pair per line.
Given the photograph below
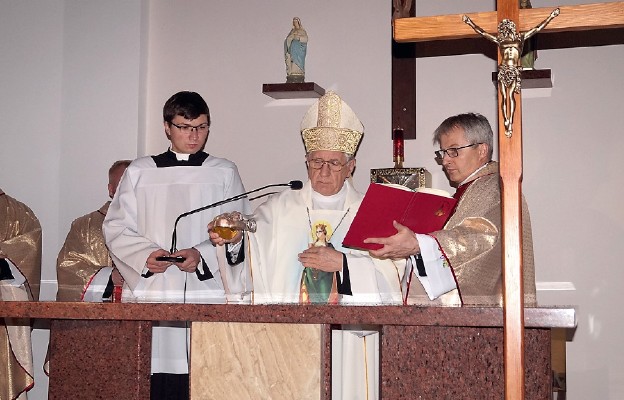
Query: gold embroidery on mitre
330, 124
332, 139
329, 111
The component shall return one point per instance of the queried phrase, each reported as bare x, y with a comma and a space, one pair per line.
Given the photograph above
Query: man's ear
167, 129
351, 167
484, 149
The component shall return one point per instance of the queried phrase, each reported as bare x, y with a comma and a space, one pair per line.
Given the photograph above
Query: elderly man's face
325, 180
468, 159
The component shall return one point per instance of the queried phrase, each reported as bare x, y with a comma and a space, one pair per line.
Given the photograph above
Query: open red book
423, 211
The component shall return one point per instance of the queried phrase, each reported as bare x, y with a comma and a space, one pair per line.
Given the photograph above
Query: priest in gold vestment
84, 267
20, 273
462, 263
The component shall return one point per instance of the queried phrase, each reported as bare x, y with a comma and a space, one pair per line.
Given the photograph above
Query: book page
397, 186
437, 192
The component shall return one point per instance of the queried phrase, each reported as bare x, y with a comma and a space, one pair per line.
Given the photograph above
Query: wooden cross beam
448, 27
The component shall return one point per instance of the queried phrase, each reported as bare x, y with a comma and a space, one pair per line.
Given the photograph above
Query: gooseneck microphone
294, 185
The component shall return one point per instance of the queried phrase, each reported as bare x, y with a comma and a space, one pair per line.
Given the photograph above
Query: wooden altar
103, 350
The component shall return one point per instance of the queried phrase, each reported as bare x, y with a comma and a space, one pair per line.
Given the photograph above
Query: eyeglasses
317, 163
452, 151
202, 128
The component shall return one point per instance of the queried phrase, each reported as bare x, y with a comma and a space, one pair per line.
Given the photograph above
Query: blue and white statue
295, 47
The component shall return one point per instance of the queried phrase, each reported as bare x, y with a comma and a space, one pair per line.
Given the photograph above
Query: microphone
294, 185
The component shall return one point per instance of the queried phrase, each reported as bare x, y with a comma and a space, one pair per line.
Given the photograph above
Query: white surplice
140, 220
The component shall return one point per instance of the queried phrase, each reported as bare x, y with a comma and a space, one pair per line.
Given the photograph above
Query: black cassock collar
169, 159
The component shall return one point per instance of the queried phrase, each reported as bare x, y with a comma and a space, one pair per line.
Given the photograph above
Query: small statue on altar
510, 44
295, 48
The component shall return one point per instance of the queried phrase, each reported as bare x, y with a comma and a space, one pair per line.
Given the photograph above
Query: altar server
138, 228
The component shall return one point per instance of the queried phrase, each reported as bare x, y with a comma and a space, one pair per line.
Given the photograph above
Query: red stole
459, 193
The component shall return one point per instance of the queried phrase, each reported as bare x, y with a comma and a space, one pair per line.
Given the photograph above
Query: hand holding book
400, 245
422, 211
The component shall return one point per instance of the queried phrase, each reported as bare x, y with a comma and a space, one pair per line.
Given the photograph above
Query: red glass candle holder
397, 148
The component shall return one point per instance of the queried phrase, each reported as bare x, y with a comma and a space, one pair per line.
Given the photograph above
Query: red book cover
421, 211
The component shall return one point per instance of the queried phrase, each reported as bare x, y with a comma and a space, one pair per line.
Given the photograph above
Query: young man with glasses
138, 228
288, 261
463, 261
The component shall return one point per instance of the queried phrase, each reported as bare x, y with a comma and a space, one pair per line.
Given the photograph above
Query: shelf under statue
295, 48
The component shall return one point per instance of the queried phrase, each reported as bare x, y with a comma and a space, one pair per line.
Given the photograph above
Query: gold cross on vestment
450, 27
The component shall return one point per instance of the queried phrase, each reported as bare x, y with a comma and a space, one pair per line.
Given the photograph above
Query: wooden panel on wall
404, 81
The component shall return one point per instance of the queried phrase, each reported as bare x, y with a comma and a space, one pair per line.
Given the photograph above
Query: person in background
20, 275
84, 269
138, 228
462, 262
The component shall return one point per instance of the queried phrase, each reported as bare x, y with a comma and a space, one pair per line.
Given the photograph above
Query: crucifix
450, 27
510, 44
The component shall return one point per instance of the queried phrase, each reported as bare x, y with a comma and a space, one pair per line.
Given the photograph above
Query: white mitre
330, 124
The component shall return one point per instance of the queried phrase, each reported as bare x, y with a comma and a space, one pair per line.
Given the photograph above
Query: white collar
332, 202
473, 174
180, 156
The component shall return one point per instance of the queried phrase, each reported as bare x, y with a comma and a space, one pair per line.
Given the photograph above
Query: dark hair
189, 105
476, 128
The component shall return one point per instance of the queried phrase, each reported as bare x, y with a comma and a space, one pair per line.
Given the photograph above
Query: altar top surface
538, 317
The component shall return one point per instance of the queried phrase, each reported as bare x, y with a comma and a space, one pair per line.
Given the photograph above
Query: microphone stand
293, 184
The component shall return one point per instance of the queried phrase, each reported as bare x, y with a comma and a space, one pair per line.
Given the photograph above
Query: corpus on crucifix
510, 44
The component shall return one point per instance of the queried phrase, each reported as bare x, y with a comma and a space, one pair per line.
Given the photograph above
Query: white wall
83, 83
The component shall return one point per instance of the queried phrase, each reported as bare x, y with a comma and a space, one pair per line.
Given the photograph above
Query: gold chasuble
471, 241
20, 247
83, 254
